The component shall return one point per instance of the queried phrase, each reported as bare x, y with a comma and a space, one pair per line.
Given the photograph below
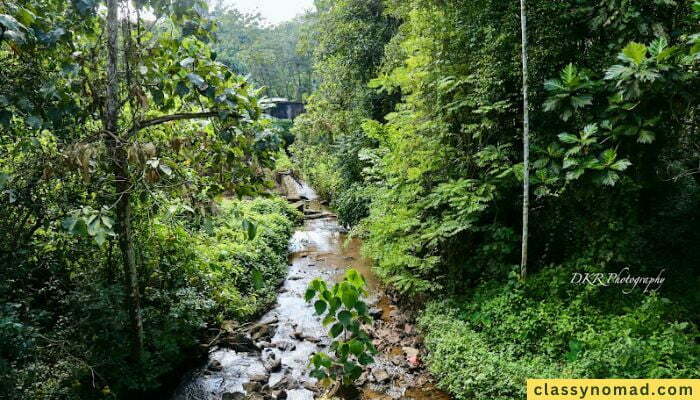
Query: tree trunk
122, 181
526, 143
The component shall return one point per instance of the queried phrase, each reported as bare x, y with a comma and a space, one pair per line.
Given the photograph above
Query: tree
526, 143
153, 75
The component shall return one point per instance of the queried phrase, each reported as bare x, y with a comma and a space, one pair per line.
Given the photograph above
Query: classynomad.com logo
613, 389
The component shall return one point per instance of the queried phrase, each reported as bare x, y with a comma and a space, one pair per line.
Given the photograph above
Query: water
318, 249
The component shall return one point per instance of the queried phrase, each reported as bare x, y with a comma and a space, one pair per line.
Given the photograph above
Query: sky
274, 11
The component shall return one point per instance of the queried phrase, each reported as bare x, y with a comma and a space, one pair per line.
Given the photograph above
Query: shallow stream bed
292, 332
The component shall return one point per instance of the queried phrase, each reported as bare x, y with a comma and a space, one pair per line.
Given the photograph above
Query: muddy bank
269, 359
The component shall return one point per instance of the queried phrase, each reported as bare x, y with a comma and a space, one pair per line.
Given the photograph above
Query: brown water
318, 249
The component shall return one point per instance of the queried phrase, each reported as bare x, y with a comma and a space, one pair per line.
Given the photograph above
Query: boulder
261, 378
375, 312
241, 343
271, 361
233, 396
262, 331
380, 375
252, 387
215, 365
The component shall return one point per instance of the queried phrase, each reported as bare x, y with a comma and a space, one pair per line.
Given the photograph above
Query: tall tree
526, 143
122, 180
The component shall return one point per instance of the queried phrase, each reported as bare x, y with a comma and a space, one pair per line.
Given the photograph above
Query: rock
414, 361
262, 331
362, 379
271, 361
298, 335
279, 394
375, 312
215, 365
241, 343
397, 360
410, 351
312, 339
285, 383
299, 205
260, 377
265, 344
285, 345
389, 335
252, 387
233, 396
409, 329
295, 277
380, 375
310, 386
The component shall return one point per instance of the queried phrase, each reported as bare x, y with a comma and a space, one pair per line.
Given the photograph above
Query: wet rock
279, 394
310, 386
380, 375
295, 278
233, 396
312, 339
362, 379
241, 343
264, 345
285, 345
261, 378
271, 361
298, 335
252, 387
215, 365
285, 382
375, 312
262, 331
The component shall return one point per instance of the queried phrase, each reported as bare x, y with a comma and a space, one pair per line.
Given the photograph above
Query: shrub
486, 345
193, 273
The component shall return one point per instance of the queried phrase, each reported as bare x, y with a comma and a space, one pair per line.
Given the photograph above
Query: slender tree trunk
122, 181
526, 143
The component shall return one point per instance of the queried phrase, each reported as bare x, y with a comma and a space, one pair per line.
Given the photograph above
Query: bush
486, 345
193, 273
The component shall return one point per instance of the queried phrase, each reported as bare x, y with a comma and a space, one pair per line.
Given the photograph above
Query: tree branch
173, 117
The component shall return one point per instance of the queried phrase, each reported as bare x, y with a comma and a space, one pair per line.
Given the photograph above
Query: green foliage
432, 179
275, 56
195, 274
345, 313
65, 324
348, 39
503, 334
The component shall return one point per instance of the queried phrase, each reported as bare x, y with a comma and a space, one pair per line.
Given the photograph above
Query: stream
271, 361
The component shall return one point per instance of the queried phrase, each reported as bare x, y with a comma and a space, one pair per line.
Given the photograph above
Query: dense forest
138, 173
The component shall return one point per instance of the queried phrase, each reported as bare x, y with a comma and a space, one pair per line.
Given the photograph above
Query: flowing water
318, 249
